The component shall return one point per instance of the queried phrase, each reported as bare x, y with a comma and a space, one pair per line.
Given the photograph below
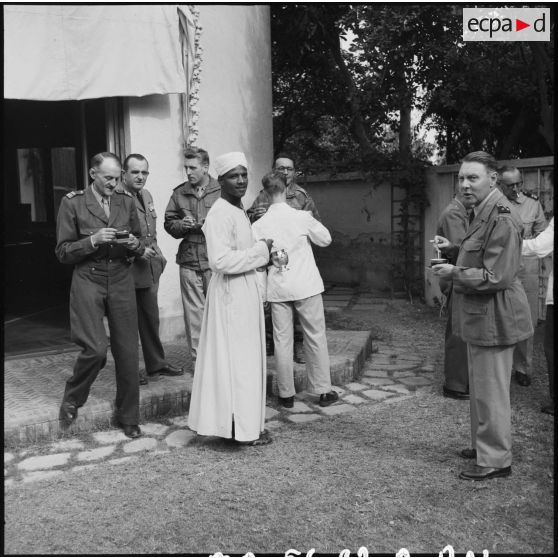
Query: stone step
34, 388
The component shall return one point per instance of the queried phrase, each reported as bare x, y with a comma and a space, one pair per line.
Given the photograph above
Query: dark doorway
46, 148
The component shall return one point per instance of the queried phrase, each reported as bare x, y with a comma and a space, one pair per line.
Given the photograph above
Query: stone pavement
33, 385
391, 374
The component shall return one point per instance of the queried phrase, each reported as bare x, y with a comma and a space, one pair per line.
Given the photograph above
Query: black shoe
454, 394
478, 473
522, 379
168, 370
287, 402
68, 412
328, 398
468, 453
298, 353
131, 430
143, 379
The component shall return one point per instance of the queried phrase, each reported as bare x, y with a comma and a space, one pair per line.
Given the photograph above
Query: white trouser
311, 314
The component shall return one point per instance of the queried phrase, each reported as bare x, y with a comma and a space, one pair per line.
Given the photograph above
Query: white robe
230, 374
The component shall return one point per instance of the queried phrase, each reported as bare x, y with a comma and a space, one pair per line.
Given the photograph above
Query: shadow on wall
365, 260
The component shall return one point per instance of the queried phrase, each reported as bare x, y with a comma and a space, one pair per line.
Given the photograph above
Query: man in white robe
229, 388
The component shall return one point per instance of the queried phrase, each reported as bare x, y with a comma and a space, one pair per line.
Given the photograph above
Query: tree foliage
347, 78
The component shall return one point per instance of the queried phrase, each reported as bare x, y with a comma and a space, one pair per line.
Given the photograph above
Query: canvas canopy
72, 52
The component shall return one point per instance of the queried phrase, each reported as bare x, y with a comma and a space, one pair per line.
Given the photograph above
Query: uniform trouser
94, 294
489, 384
549, 346
148, 325
311, 313
456, 371
298, 335
529, 276
193, 286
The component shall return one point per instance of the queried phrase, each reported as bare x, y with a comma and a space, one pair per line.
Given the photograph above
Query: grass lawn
384, 477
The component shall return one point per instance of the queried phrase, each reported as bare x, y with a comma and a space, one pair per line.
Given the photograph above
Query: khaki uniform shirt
490, 307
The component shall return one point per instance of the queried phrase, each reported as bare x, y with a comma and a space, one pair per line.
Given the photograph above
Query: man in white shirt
542, 246
296, 290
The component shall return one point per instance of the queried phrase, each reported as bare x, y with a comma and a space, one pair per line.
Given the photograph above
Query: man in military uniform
532, 216
96, 233
453, 224
184, 217
490, 312
297, 198
146, 270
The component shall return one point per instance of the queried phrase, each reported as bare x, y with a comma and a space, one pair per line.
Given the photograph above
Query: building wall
357, 212
235, 115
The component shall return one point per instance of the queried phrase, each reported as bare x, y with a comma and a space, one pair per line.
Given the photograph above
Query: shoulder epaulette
179, 186
75, 193
125, 192
503, 208
530, 194
302, 191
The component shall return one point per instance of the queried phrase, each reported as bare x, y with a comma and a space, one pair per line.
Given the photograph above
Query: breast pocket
471, 253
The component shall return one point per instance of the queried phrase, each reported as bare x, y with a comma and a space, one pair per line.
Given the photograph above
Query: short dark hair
507, 168
98, 158
284, 156
483, 158
197, 153
274, 182
133, 156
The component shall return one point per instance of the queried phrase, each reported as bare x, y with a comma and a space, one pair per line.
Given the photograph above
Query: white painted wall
236, 115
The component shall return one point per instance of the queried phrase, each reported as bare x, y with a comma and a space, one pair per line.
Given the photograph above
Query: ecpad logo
506, 24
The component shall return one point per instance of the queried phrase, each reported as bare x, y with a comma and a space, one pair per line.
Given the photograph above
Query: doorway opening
47, 146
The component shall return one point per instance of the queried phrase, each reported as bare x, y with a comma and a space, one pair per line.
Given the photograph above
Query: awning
70, 52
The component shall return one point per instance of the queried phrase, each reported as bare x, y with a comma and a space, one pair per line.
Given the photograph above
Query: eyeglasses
283, 169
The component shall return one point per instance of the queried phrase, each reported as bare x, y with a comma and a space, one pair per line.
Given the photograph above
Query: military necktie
140, 198
106, 205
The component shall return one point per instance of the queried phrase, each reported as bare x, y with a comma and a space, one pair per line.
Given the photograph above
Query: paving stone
303, 418
337, 409
44, 461
427, 368
120, 460
397, 399
40, 475
375, 373
376, 394
415, 381
354, 399
298, 407
154, 429
372, 381
66, 445
274, 424
8, 457
180, 421
110, 437
143, 444
179, 438
355, 386
403, 374
96, 453
270, 413
398, 388
8, 482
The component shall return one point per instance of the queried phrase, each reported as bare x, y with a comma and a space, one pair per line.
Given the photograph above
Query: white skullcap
224, 163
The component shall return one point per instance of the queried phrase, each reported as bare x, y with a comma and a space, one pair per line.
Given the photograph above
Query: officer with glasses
532, 216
